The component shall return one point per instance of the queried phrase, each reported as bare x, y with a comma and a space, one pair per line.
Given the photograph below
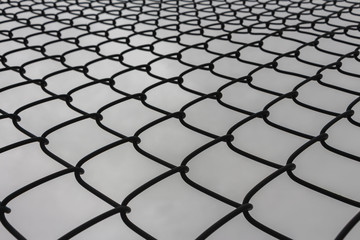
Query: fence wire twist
305, 24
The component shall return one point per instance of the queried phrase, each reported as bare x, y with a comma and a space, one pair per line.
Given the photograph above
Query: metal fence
260, 38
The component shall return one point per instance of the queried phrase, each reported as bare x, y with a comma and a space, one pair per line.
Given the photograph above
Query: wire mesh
251, 59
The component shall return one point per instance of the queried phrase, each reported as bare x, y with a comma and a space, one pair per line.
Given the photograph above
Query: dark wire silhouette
206, 21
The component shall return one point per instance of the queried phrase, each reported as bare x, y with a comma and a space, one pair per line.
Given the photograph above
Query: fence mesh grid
231, 47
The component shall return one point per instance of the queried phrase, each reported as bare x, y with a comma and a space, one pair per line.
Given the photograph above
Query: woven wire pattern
228, 45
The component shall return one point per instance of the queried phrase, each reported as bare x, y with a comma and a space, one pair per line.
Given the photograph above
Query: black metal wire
206, 21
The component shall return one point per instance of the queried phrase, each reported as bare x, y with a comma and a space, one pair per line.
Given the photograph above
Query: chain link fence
254, 85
